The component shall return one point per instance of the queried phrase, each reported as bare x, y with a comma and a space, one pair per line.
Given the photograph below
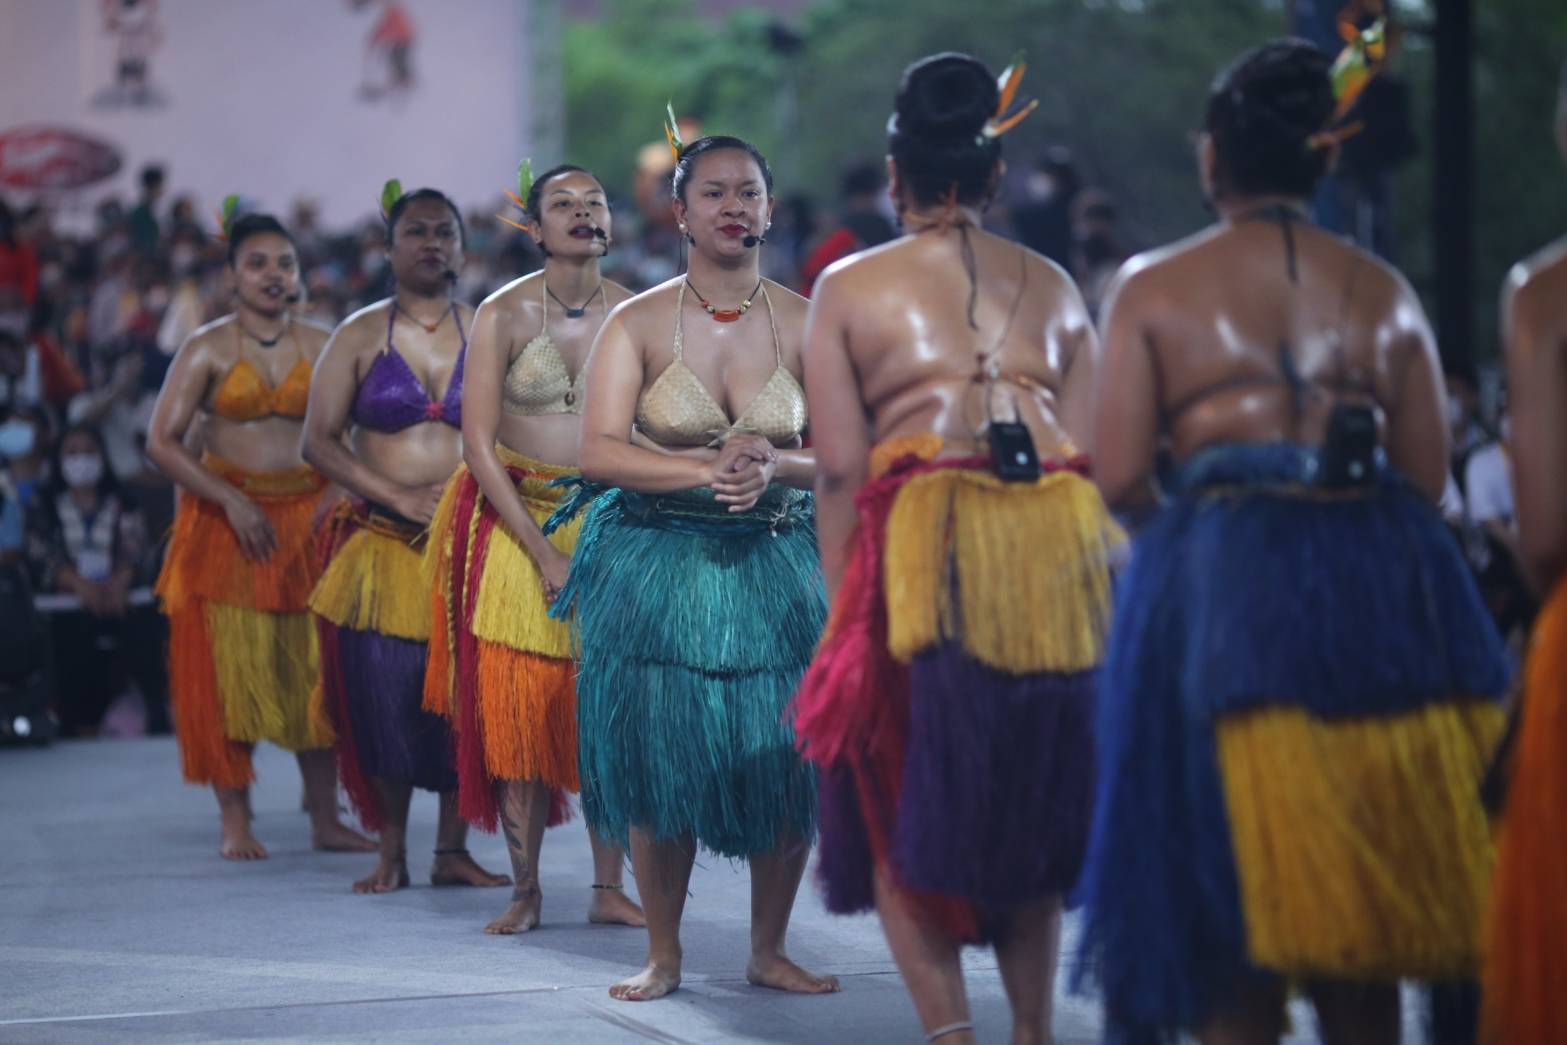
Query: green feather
524, 178
230, 206
391, 192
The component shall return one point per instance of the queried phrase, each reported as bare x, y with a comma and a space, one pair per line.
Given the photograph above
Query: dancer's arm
489, 350
1417, 431
184, 388
1537, 401
1070, 337
838, 428
1125, 398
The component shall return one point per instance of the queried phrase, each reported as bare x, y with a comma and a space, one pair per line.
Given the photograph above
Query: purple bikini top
391, 397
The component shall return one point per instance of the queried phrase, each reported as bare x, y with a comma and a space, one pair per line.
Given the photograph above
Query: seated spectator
26, 444
89, 553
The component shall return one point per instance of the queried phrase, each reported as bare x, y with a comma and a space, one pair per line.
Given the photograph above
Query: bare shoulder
655, 305
1535, 286
514, 294
615, 294
789, 306
362, 330
312, 336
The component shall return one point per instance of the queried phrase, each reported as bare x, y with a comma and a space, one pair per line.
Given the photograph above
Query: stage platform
120, 923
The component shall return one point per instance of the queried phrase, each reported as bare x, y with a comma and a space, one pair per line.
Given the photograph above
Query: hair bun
945, 97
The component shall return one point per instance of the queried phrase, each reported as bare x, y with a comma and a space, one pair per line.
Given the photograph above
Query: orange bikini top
244, 395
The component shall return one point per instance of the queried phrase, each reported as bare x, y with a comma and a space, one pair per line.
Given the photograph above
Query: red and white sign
44, 157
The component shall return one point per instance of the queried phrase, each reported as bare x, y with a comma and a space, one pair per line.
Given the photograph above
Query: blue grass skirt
694, 626
1298, 703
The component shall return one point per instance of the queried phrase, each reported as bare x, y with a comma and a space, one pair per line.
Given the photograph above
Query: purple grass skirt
397, 739
997, 781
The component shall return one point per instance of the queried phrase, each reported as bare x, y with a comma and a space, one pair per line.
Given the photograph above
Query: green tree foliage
1122, 82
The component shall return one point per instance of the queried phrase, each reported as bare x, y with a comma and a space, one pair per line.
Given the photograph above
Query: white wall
263, 98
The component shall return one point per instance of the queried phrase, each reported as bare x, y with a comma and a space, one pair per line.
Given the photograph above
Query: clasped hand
743, 469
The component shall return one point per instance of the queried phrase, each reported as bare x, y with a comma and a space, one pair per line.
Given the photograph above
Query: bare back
902, 314
1250, 332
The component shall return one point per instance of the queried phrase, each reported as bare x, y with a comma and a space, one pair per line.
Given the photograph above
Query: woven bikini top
537, 381
244, 395
391, 397
678, 410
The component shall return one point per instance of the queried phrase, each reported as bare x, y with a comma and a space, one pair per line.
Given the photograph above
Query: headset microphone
752, 241
295, 298
451, 275
600, 233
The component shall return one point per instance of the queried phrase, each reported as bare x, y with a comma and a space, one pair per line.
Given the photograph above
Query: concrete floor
119, 922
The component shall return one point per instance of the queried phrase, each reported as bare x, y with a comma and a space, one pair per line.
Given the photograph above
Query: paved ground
119, 923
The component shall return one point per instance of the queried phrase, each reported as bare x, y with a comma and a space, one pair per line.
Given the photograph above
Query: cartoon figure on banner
137, 32
388, 65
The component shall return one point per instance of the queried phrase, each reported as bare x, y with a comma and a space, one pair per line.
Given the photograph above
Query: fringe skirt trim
500, 667
205, 562
694, 626
372, 623
242, 657
1298, 704
1361, 850
1526, 962
371, 578
965, 783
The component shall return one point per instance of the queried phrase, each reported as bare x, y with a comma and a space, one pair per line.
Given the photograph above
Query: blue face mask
16, 438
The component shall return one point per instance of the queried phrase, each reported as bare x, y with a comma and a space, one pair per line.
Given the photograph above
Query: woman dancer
500, 668
242, 653
950, 705
694, 579
1299, 694
377, 383
1527, 952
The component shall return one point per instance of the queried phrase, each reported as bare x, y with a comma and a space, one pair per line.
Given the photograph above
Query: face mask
16, 438
81, 469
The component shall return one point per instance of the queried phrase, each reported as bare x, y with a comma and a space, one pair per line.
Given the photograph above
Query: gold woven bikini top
678, 410
537, 381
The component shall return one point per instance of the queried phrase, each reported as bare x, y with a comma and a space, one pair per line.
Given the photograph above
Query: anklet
617, 887
451, 852
951, 1028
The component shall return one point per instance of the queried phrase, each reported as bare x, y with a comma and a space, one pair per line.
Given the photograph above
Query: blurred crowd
92, 311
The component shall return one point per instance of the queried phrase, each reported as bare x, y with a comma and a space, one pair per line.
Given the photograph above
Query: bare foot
614, 907
238, 843
521, 916
781, 974
458, 868
653, 982
338, 837
389, 874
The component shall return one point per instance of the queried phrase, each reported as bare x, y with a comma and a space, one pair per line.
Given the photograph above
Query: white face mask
16, 438
81, 469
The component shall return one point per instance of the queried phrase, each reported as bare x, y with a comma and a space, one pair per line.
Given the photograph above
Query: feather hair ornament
391, 192
1007, 84
672, 131
225, 215
519, 199
1354, 68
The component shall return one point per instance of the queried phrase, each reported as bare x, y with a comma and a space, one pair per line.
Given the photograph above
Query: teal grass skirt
693, 628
